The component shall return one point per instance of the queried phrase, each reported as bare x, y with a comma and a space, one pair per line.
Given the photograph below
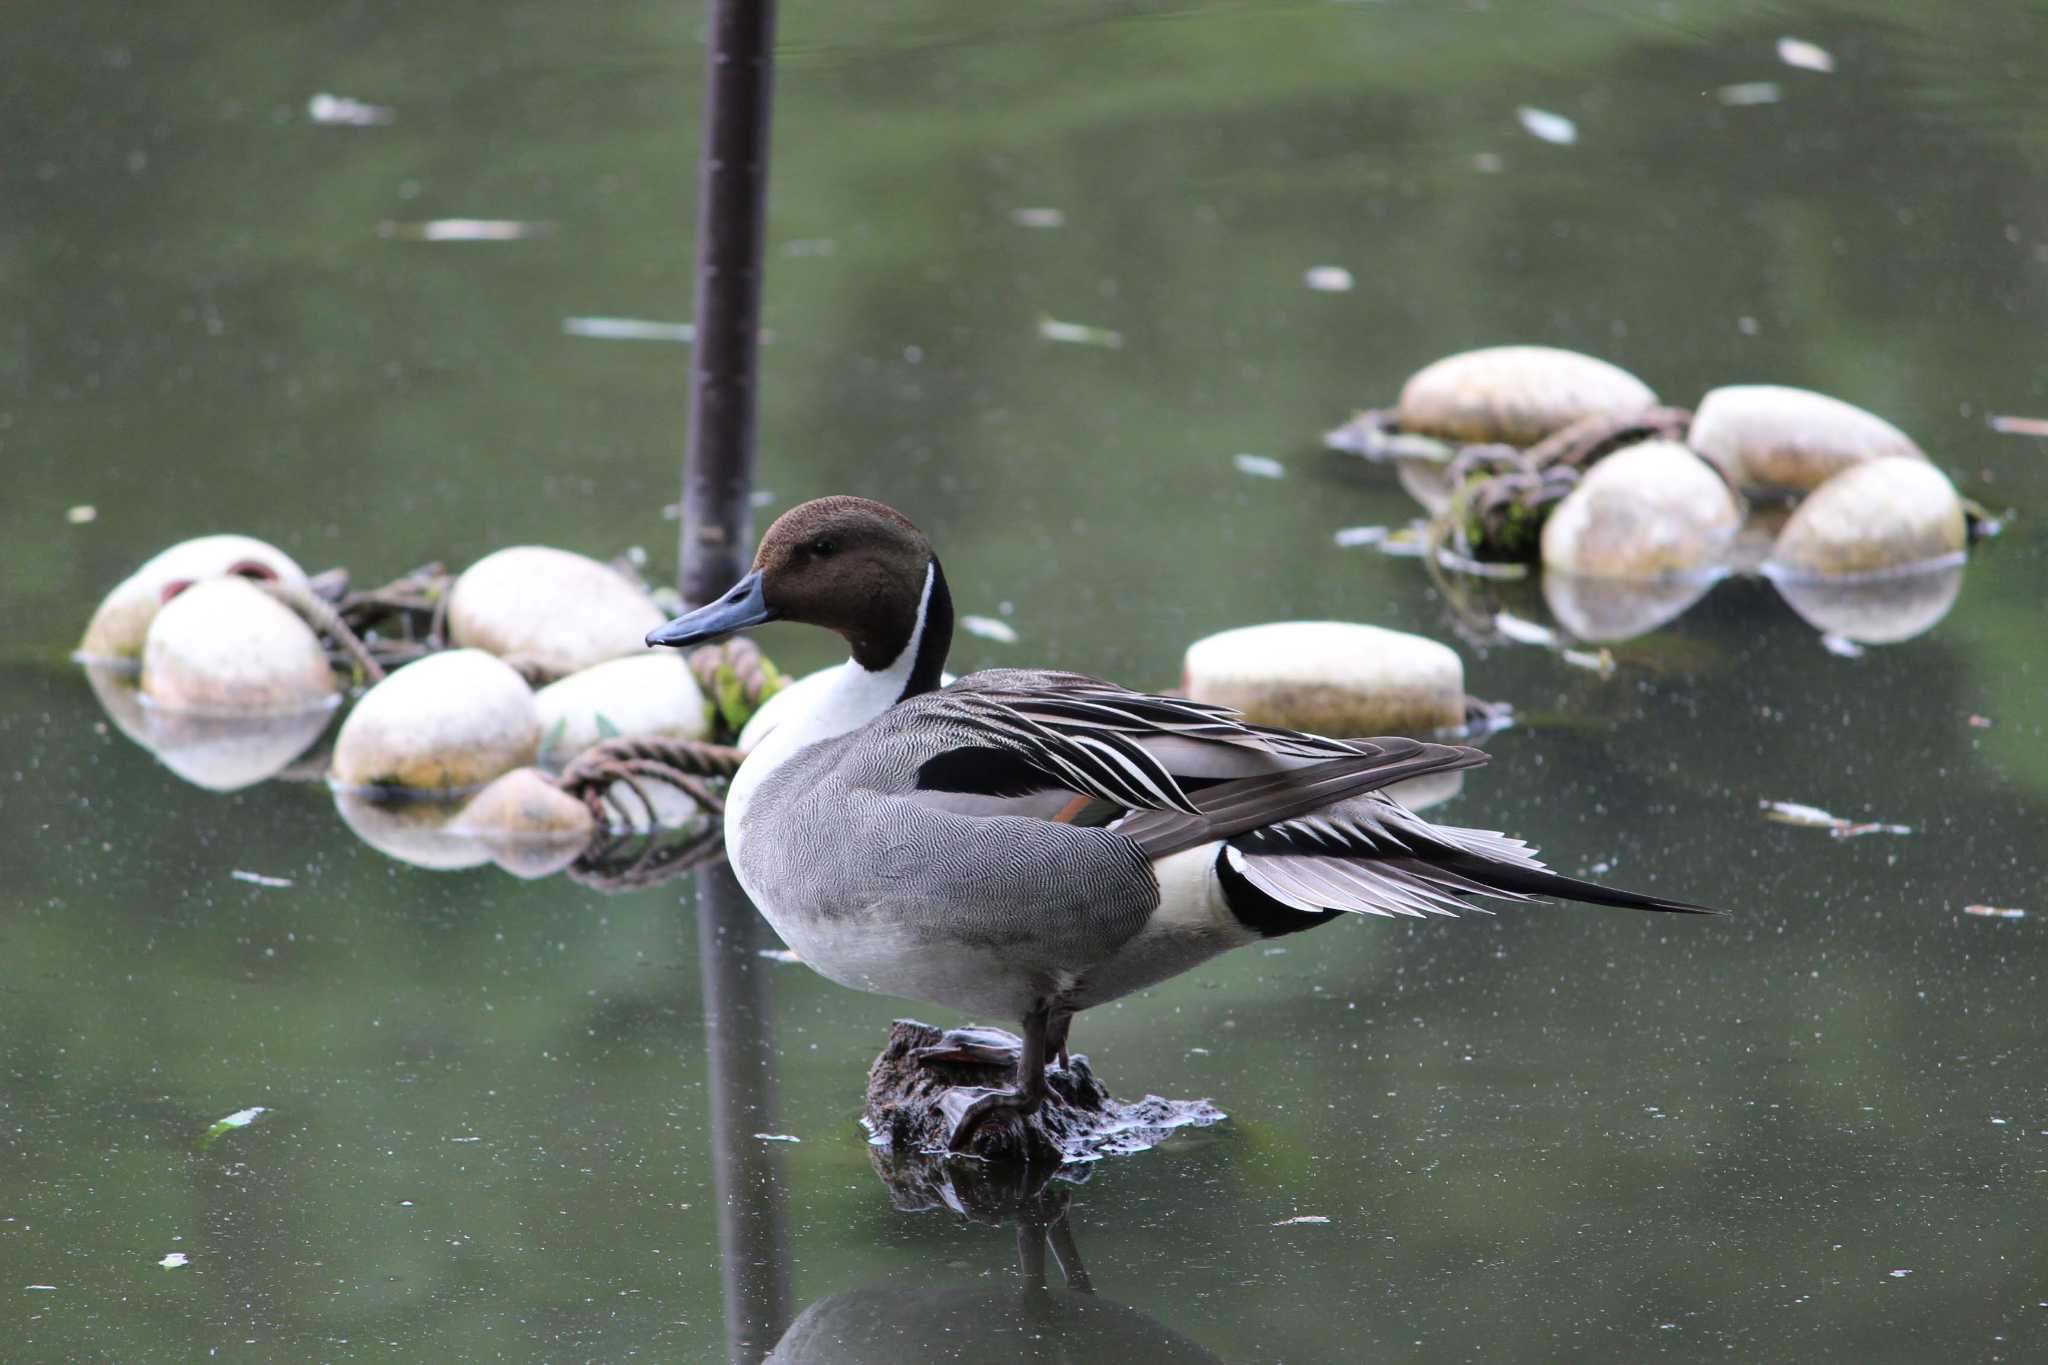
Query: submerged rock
1516, 395
924, 1078
554, 610
1771, 436
446, 723
1881, 516
1880, 610
645, 694
224, 647
1650, 511
120, 625
1330, 677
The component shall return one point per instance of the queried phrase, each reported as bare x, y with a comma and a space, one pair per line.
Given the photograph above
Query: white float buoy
1515, 394
224, 647
1330, 677
446, 723
1654, 510
1770, 436
1880, 516
121, 623
556, 610
645, 694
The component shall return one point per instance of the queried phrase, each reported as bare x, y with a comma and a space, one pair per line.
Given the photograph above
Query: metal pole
717, 532
732, 197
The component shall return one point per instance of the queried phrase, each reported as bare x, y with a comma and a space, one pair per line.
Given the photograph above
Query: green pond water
1815, 1130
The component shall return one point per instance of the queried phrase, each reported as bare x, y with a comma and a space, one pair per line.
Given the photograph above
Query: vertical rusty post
717, 533
732, 199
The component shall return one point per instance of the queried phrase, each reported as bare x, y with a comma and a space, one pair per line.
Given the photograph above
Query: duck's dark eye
824, 546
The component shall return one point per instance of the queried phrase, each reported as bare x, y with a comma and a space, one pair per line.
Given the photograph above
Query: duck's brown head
851, 565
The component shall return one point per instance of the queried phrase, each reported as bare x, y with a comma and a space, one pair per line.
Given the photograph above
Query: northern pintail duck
1031, 843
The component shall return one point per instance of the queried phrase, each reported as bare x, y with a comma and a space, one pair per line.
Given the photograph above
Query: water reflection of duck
1036, 843
891, 1326
1028, 1322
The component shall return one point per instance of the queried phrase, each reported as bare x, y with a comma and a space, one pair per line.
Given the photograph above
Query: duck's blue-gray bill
741, 607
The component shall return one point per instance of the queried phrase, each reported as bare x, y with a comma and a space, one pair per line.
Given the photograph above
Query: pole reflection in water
739, 1036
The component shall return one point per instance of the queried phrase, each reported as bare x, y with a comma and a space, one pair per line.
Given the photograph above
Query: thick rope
325, 620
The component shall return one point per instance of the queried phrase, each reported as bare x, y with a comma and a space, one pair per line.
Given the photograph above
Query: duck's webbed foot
967, 1112
972, 1046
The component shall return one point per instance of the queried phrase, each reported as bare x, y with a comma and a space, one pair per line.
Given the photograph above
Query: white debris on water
341, 111
1523, 631
1301, 1218
1748, 93
1804, 55
778, 1137
629, 329
1841, 646
1351, 537
172, 1260
1038, 218
989, 628
258, 879
1994, 912
1079, 334
1328, 279
1259, 466
1545, 126
464, 230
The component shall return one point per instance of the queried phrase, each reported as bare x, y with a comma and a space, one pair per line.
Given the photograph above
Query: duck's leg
1056, 1036
1029, 1092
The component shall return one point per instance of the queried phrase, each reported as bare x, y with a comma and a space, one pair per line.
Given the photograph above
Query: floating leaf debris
1079, 334
1600, 661
241, 1118
1994, 912
778, 1137
777, 955
1351, 537
344, 112
1328, 279
1523, 631
1804, 55
989, 628
2019, 426
81, 514
258, 879
1301, 1218
1259, 466
629, 329
1548, 127
1813, 817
